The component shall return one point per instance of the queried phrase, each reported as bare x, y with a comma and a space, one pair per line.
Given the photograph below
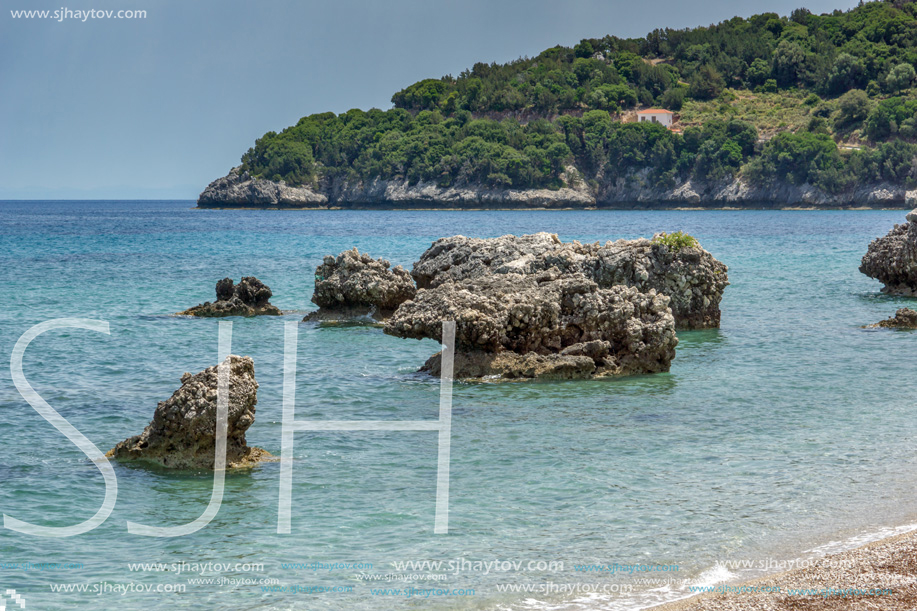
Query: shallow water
787, 428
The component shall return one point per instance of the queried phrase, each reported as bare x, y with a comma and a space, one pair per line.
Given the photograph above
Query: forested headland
826, 101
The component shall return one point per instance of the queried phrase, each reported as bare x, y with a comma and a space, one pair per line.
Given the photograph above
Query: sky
156, 108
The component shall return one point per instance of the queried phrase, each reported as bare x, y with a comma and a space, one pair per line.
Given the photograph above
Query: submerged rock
904, 318
892, 259
182, 434
544, 325
248, 298
354, 285
692, 278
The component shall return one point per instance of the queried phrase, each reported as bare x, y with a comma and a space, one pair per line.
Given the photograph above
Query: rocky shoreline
239, 190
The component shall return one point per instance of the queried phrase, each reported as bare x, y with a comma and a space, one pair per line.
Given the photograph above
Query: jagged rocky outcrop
904, 318
182, 434
637, 190
892, 259
690, 276
239, 190
550, 324
354, 285
248, 298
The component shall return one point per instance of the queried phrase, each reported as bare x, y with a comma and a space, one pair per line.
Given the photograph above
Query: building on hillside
656, 115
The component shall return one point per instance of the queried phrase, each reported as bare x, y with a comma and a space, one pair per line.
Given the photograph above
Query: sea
787, 432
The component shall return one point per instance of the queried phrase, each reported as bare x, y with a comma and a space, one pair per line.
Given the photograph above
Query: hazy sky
158, 107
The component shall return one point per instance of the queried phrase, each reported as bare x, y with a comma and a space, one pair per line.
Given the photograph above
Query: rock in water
182, 434
544, 325
355, 285
248, 298
892, 260
692, 278
904, 318
239, 189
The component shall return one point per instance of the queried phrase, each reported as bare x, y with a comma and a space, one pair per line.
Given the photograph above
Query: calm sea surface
788, 428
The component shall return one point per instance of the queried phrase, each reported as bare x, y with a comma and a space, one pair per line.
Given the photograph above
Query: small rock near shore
248, 298
354, 285
892, 259
182, 434
904, 318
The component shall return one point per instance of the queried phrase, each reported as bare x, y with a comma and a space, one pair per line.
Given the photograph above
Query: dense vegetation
769, 97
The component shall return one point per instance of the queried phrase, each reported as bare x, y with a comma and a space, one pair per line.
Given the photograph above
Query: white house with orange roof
656, 115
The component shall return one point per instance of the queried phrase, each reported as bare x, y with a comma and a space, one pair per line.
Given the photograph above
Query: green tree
854, 107
790, 63
584, 49
900, 77
758, 72
706, 83
846, 73
674, 98
797, 158
883, 120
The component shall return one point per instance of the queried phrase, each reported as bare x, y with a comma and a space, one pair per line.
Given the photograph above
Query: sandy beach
878, 576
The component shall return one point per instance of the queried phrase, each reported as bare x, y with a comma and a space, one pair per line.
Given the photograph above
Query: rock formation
355, 285
239, 190
636, 191
690, 276
892, 260
904, 318
182, 434
248, 298
550, 324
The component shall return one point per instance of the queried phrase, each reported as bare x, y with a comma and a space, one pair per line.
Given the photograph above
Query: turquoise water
787, 428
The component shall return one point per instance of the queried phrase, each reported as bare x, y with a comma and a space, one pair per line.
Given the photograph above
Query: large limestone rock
543, 325
239, 189
892, 260
904, 318
248, 298
354, 285
182, 434
690, 276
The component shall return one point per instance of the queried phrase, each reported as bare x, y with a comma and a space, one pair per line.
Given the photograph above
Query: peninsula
772, 111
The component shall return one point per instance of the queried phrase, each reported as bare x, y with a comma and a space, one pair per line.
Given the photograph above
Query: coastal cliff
240, 190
